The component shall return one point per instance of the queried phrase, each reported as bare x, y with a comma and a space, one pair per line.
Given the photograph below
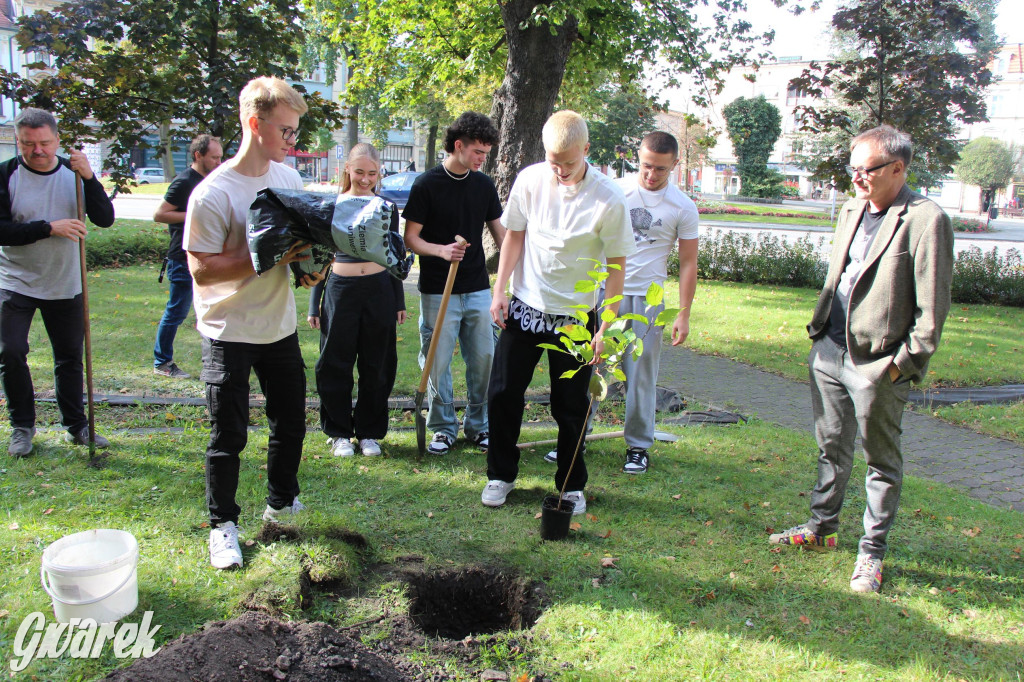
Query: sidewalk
988, 469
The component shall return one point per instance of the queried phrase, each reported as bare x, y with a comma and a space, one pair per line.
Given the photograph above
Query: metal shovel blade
421, 423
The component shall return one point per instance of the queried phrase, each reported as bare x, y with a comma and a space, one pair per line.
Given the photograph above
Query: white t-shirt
564, 224
251, 310
659, 220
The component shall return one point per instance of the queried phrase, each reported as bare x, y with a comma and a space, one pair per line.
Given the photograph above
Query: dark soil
471, 601
256, 646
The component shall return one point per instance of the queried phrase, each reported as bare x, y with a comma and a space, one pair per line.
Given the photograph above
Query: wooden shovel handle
441, 310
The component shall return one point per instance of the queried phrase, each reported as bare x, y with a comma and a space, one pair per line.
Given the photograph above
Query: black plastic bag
358, 226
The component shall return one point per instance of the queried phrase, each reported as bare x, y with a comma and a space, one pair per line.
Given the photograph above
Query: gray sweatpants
844, 401
642, 374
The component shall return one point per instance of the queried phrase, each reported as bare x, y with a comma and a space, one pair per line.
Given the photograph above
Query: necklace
452, 175
660, 194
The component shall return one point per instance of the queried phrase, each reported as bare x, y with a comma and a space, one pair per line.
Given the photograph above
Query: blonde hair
565, 130
262, 95
359, 151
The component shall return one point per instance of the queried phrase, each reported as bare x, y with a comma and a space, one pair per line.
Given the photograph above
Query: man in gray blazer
877, 323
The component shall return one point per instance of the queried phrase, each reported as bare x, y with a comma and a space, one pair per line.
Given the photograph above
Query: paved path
988, 469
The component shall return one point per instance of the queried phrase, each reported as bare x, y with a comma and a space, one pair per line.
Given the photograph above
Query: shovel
80, 201
428, 363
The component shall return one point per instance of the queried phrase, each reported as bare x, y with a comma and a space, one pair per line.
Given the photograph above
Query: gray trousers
642, 374
844, 401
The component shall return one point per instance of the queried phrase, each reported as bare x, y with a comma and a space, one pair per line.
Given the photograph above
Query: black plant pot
555, 517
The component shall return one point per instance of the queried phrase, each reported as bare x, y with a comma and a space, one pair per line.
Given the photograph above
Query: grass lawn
692, 590
1001, 421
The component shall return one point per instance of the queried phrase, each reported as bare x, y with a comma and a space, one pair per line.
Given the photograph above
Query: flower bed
969, 225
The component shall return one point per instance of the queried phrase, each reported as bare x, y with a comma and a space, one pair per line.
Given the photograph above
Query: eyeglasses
287, 133
866, 171
655, 170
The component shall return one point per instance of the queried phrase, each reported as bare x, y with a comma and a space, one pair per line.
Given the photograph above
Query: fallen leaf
250, 543
971, 532
670, 558
746, 505
805, 620
747, 561
575, 525
933, 591
537, 515
13, 526
776, 569
769, 530
970, 613
364, 468
608, 562
676, 497
416, 471
525, 677
591, 517
169, 416
732, 575
606, 534
596, 582
766, 504
4, 613
48, 511
708, 522
430, 515
903, 612
204, 524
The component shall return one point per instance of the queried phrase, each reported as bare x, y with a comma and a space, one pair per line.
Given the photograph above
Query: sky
807, 35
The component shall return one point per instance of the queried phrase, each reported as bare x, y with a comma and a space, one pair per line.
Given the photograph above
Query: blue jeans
178, 305
468, 321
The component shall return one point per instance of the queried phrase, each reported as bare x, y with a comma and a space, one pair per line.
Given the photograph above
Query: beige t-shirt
565, 226
250, 310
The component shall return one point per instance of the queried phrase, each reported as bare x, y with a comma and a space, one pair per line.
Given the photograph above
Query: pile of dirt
256, 646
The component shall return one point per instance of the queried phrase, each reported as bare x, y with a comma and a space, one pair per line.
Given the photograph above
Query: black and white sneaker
169, 369
552, 457
482, 440
440, 444
636, 461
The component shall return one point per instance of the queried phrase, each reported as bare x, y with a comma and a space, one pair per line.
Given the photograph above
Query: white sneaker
341, 447
495, 492
369, 447
224, 550
278, 515
577, 498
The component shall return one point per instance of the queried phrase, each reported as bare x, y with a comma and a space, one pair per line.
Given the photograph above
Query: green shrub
126, 242
989, 277
766, 259
968, 225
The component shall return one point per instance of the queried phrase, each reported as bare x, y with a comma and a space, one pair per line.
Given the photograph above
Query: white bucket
92, 575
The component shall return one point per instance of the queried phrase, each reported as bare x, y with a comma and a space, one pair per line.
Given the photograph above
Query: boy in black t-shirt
454, 198
206, 154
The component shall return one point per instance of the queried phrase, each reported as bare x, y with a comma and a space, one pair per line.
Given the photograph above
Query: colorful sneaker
495, 492
482, 440
803, 536
341, 446
283, 514
578, 499
636, 461
169, 369
369, 447
551, 457
867, 574
224, 550
440, 444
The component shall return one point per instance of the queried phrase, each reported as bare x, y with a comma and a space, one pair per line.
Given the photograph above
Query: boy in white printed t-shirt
559, 213
661, 214
248, 322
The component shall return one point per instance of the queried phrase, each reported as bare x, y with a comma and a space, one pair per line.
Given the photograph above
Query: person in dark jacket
40, 269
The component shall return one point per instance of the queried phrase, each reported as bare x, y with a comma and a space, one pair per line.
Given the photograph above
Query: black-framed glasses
866, 171
287, 133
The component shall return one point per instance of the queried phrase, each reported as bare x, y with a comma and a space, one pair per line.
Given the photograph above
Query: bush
988, 278
766, 259
738, 257
126, 242
968, 225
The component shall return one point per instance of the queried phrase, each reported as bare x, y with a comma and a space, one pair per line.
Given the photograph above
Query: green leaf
636, 317
655, 295
598, 387
610, 301
638, 348
550, 346
585, 286
569, 373
576, 332
607, 316
618, 374
666, 317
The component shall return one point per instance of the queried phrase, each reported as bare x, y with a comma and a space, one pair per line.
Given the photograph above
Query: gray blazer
899, 303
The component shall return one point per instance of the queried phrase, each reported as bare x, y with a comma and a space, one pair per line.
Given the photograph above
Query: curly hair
470, 127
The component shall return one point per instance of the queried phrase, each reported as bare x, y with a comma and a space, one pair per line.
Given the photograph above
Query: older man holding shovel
40, 269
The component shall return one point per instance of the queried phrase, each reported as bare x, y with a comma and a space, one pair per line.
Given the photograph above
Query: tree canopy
624, 116
987, 163
754, 125
918, 65
132, 65
405, 50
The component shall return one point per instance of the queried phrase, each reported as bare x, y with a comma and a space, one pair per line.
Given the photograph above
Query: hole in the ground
472, 601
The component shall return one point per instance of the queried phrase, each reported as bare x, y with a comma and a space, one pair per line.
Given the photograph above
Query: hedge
767, 259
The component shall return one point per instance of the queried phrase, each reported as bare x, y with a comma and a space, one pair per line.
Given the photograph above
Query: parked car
145, 176
396, 187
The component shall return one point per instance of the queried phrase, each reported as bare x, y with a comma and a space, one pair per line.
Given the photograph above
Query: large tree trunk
431, 146
526, 98
167, 149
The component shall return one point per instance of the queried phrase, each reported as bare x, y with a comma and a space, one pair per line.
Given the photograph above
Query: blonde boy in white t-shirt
559, 212
248, 322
